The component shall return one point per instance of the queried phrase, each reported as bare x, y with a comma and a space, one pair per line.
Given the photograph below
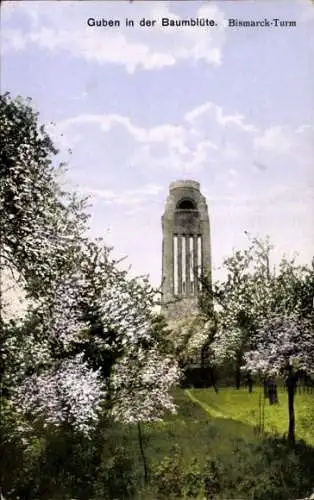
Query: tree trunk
291, 386
238, 376
140, 440
213, 379
265, 388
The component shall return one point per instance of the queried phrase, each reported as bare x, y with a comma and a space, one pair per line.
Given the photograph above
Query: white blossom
70, 393
81, 307
282, 341
141, 385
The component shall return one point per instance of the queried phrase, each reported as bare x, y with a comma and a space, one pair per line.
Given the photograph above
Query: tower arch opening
186, 204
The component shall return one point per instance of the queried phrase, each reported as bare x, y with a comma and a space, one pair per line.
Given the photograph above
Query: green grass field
223, 426
241, 406
210, 445
207, 422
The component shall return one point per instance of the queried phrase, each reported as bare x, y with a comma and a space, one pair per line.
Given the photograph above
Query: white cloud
65, 29
14, 39
206, 137
134, 198
291, 146
274, 139
221, 118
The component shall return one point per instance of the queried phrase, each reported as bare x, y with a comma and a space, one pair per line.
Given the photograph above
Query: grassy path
205, 406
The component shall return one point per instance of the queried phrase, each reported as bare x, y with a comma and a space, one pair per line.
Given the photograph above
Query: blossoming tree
284, 346
88, 322
253, 292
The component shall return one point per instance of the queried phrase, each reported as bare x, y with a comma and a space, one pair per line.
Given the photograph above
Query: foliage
40, 234
92, 334
168, 476
50, 221
116, 477
241, 300
284, 345
261, 470
189, 336
63, 464
282, 342
173, 478
89, 324
140, 386
252, 292
213, 477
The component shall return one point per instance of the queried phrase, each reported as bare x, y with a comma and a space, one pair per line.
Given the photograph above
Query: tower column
187, 265
179, 259
167, 260
206, 257
195, 270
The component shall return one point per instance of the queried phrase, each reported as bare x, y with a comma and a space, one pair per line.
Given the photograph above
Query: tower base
178, 308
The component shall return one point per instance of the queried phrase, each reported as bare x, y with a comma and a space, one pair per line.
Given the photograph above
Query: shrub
168, 476
260, 471
115, 477
214, 472
193, 481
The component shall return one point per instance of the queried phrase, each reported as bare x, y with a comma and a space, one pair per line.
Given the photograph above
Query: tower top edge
184, 184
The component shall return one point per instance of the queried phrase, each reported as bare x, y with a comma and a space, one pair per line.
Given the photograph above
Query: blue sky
140, 107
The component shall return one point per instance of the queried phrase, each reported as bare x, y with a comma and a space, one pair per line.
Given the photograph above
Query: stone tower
185, 249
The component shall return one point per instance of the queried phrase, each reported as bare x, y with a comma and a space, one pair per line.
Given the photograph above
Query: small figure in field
270, 390
249, 381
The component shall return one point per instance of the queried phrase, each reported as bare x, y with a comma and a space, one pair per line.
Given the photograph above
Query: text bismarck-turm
264, 23
145, 22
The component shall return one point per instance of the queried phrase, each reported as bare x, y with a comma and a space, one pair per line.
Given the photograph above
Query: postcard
189, 126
